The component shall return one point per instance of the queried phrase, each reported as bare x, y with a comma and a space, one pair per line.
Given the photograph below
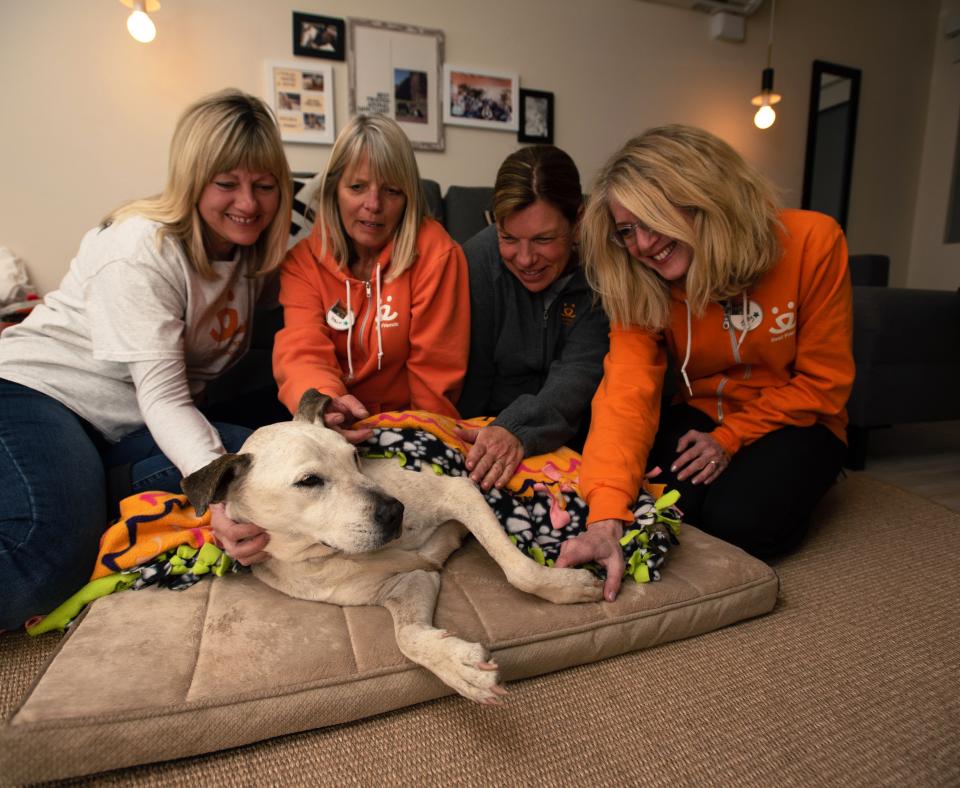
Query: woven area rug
853, 680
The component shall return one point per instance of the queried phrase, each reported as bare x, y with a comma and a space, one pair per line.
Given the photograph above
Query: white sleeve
181, 431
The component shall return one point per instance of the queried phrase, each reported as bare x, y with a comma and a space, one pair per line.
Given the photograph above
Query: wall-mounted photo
536, 116
302, 100
395, 70
318, 36
479, 97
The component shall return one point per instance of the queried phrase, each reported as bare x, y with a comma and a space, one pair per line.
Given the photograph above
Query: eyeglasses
625, 235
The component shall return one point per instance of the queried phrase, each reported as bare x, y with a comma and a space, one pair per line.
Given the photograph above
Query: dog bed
153, 675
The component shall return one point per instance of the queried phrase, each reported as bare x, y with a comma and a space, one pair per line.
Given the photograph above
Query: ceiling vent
741, 7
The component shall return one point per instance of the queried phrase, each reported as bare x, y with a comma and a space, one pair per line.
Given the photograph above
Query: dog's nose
389, 516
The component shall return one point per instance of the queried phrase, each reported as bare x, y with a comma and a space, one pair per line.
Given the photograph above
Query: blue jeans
53, 498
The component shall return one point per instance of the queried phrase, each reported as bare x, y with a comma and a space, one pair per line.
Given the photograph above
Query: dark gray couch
906, 345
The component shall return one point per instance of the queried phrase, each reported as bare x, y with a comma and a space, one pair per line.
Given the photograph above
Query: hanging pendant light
765, 114
139, 23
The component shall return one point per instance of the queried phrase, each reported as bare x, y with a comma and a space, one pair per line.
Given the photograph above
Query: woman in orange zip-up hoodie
691, 256
376, 301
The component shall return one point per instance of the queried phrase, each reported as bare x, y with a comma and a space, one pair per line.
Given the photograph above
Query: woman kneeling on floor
376, 302
691, 256
104, 374
537, 337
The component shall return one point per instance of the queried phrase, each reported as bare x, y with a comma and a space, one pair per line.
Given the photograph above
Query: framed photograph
302, 99
395, 70
536, 116
478, 97
318, 36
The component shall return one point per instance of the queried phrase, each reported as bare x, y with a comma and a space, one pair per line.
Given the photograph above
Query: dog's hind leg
464, 502
411, 599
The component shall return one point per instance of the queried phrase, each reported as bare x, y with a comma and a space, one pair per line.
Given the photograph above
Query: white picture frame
301, 96
481, 97
394, 70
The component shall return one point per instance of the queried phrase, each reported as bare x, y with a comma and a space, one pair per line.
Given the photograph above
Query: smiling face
536, 243
665, 256
370, 211
236, 207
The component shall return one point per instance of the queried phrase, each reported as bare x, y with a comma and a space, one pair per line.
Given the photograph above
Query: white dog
353, 531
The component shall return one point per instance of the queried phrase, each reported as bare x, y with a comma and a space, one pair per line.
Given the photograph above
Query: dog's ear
312, 406
209, 484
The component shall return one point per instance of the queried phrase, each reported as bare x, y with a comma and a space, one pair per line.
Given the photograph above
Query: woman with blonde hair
376, 304
692, 258
102, 378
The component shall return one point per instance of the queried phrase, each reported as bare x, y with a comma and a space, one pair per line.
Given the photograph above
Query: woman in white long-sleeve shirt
106, 373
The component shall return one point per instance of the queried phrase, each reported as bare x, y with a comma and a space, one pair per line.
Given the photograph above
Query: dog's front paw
565, 586
467, 668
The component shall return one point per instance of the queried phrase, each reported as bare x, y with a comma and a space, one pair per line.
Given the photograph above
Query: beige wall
88, 112
935, 264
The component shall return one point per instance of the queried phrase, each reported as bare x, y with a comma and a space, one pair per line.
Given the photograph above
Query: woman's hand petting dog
243, 542
600, 543
494, 456
701, 457
340, 415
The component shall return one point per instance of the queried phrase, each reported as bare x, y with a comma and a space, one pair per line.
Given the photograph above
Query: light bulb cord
773, 13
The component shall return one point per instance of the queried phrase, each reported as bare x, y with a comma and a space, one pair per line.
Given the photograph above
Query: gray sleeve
483, 260
547, 420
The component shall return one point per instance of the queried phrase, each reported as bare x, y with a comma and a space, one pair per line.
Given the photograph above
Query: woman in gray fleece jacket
538, 339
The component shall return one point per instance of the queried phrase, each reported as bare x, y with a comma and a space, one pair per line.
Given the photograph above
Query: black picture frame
319, 36
536, 118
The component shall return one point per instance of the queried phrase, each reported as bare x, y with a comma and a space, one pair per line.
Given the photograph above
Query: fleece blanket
160, 539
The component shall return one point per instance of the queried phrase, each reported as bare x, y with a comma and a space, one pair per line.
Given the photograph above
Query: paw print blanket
160, 540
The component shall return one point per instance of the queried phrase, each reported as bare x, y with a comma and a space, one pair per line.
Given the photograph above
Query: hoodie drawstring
686, 358
349, 333
746, 324
379, 337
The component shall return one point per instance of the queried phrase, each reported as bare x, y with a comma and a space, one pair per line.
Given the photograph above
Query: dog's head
302, 483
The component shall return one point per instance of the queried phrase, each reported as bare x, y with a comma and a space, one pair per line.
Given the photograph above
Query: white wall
88, 112
936, 264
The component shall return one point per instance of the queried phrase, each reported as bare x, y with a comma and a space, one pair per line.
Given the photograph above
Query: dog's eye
310, 480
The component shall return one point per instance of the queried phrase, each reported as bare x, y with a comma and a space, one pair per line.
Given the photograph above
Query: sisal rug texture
853, 680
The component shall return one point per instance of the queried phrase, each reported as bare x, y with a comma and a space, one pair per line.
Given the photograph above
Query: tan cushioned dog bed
156, 674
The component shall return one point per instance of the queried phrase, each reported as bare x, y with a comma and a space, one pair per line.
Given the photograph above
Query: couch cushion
467, 210
155, 674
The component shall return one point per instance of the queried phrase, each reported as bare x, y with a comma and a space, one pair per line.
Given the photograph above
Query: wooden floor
921, 458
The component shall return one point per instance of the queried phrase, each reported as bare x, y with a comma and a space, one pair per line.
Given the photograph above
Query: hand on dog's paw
570, 586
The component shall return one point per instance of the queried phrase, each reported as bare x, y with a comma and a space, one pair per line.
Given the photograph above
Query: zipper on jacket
366, 314
543, 345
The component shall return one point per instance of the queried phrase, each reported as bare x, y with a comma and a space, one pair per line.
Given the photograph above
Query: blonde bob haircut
391, 161
690, 185
219, 133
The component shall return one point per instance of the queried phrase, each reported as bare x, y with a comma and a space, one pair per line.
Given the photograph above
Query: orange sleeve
439, 329
623, 424
303, 352
823, 369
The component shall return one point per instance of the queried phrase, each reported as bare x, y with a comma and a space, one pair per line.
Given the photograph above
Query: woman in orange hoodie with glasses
691, 257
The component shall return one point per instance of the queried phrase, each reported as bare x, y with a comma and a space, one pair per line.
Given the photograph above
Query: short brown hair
538, 172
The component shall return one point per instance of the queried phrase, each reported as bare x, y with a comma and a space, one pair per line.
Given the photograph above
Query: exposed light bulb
140, 25
764, 117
